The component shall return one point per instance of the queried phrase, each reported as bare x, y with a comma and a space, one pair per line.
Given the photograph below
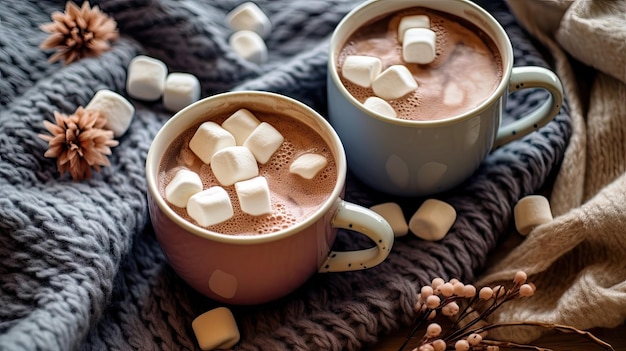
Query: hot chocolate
466, 69
293, 197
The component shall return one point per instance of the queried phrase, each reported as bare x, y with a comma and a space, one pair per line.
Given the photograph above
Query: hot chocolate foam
466, 70
293, 198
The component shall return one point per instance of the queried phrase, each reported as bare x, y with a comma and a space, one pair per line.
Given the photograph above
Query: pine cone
79, 142
78, 33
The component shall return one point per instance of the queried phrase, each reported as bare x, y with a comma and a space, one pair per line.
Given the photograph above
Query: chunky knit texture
79, 265
577, 260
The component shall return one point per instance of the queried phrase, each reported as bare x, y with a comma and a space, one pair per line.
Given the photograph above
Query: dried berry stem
422, 317
557, 327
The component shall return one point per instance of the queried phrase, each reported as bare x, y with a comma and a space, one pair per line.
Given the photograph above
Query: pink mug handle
367, 222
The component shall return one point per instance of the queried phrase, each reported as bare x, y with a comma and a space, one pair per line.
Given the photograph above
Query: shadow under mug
255, 269
418, 158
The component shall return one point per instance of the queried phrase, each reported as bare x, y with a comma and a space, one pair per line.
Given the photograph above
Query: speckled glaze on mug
246, 270
418, 158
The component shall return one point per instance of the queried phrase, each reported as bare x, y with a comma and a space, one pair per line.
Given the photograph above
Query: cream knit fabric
578, 261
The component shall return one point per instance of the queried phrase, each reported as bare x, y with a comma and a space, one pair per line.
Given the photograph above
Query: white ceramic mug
417, 158
238, 269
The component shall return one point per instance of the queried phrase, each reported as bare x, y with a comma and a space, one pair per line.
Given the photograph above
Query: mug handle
525, 78
371, 224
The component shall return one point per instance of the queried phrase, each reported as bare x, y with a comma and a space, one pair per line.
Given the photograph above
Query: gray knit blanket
80, 268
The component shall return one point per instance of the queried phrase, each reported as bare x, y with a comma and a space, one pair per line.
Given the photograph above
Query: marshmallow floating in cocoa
263, 142
394, 82
308, 165
208, 139
185, 184
413, 21
380, 106
419, 45
254, 196
361, 70
241, 124
210, 206
453, 95
233, 164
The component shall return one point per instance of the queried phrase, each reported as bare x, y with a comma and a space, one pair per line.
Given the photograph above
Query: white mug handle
367, 222
532, 77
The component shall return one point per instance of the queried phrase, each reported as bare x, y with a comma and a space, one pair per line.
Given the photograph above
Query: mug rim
503, 44
196, 110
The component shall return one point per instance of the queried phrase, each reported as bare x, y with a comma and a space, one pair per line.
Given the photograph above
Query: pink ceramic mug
255, 269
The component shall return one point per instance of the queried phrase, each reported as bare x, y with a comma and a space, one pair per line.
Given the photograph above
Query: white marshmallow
419, 45
392, 213
361, 70
254, 196
263, 142
184, 184
248, 16
115, 108
240, 124
216, 329
249, 45
380, 106
432, 220
181, 89
453, 95
234, 164
146, 78
210, 206
308, 165
394, 83
415, 21
530, 212
209, 138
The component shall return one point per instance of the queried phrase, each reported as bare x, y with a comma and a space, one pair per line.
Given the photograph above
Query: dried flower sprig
79, 142
79, 32
468, 310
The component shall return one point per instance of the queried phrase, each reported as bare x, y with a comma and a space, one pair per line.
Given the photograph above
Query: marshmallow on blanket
414, 21
115, 108
380, 106
264, 141
392, 213
234, 164
419, 45
361, 70
181, 89
210, 206
216, 329
209, 138
240, 124
254, 196
394, 83
531, 211
184, 184
248, 16
432, 220
308, 165
146, 78
249, 45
